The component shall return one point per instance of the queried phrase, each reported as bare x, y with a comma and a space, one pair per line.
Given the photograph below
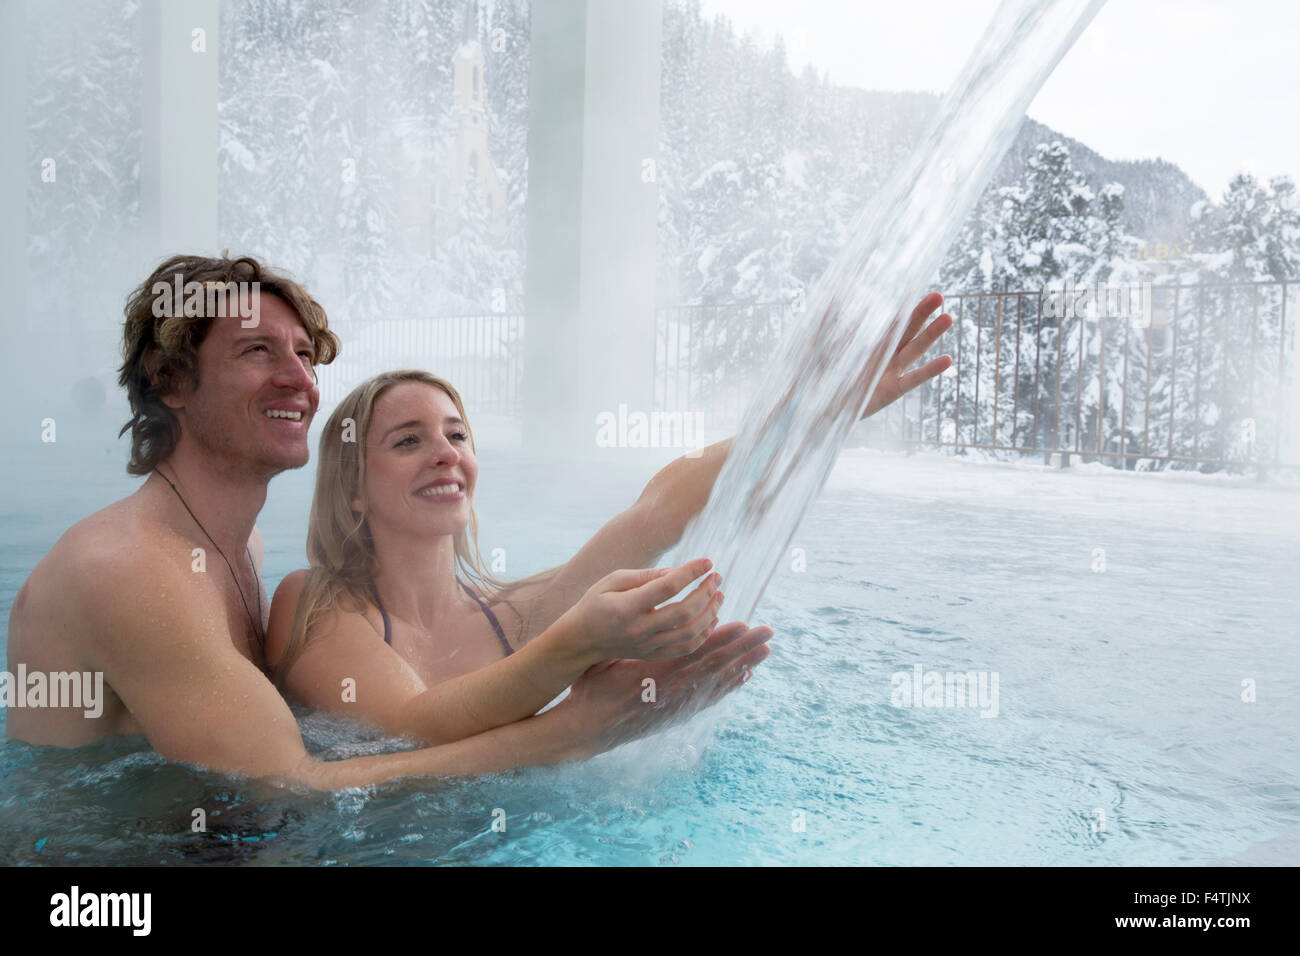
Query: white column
590, 280
15, 174
178, 161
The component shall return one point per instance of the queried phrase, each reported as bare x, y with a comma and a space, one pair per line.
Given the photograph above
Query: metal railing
1205, 376
708, 358
481, 355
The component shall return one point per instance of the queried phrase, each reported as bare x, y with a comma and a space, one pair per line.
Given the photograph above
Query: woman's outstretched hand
617, 617
894, 384
619, 700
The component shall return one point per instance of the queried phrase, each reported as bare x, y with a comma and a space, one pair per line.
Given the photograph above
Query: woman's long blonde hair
340, 549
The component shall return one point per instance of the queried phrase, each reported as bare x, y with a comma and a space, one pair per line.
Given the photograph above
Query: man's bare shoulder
105, 562
119, 538
89, 598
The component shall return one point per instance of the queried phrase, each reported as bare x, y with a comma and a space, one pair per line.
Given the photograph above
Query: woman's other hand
619, 616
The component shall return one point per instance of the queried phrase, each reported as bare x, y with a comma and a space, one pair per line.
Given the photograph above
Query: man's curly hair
160, 353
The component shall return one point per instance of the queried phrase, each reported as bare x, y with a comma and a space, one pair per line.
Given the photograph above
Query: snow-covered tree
1253, 236
334, 124
83, 142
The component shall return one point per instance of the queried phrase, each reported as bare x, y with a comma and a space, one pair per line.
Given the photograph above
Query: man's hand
619, 700
894, 384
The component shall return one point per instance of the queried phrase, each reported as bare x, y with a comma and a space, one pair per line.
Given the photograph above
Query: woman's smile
442, 491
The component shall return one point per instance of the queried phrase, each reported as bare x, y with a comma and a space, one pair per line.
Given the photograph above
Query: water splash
829, 364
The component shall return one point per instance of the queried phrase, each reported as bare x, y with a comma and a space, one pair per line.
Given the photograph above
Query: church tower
468, 160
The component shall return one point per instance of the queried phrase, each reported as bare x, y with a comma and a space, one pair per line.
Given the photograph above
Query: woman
398, 621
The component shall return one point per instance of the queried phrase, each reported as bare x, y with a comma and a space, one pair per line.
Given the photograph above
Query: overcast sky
1208, 84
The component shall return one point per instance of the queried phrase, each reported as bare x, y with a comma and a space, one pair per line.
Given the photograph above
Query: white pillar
15, 174
178, 161
593, 133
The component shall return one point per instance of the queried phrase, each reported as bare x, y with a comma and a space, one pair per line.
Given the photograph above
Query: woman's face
420, 470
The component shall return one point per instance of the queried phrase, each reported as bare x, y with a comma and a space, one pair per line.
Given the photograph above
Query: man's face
256, 395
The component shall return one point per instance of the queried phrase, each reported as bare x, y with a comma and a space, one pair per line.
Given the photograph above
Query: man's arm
346, 668
199, 701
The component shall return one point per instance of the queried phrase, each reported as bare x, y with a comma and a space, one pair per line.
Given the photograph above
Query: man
161, 592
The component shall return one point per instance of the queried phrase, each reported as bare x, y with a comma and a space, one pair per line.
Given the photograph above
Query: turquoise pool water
1121, 735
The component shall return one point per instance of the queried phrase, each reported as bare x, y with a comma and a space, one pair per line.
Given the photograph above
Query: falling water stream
829, 364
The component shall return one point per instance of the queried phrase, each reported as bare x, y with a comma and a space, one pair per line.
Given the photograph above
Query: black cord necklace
257, 625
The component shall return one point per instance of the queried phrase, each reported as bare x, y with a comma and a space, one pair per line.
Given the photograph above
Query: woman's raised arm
641, 535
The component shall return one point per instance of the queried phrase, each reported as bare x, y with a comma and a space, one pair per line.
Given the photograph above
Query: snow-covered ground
1190, 500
